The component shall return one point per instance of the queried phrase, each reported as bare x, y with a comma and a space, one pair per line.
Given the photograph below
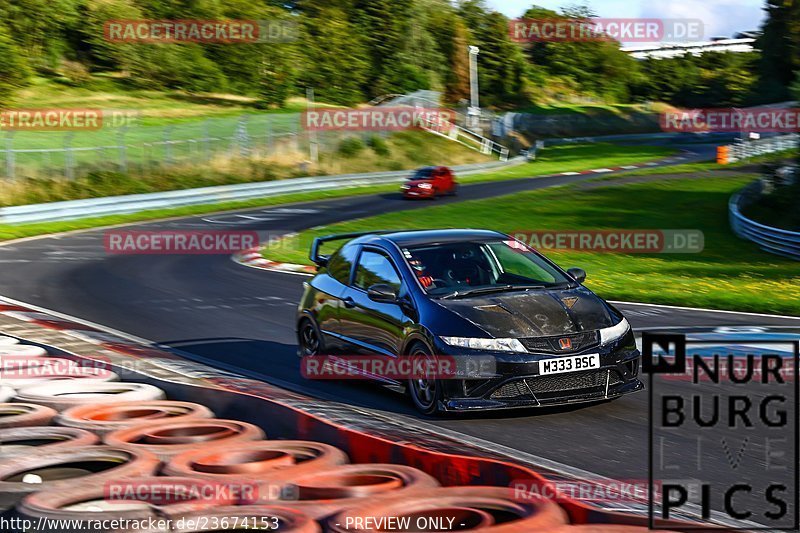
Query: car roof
428, 237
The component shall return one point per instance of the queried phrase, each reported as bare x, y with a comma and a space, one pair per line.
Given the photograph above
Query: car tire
61, 395
426, 394
86, 504
325, 492
8, 341
67, 468
22, 350
20, 440
103, 419
309, 338
495, 509
255, 459
16, 415
168, 439
6, 393
288, 520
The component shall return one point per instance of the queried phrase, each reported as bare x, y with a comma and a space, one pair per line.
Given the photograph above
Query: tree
780, 49
457, 83
38, 27
13, 67
503, 69
595, 67
334, 58
401, 52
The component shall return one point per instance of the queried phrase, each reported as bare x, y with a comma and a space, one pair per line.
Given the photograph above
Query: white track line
659, 306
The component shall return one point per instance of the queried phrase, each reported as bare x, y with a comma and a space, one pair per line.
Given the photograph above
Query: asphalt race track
241, 318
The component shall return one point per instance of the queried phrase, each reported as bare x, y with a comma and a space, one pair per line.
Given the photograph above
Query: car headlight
425, 186
614, 332
405, 186
493, 345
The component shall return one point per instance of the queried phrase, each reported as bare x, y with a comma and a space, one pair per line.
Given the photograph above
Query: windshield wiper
489, 290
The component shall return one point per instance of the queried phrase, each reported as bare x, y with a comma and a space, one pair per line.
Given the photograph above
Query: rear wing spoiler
322, 260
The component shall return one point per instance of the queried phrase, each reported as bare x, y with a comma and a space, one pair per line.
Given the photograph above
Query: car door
370, 327
330, 289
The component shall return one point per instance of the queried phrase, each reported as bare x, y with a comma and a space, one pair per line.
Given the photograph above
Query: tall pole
474, 112
312, 135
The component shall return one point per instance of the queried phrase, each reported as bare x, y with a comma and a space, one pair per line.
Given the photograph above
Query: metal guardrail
119, 205
773, 240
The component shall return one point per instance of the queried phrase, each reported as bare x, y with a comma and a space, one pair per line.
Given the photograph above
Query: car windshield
471, 268
421, 174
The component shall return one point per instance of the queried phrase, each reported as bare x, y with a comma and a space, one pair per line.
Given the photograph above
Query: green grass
577, 157
729, 274
562, 158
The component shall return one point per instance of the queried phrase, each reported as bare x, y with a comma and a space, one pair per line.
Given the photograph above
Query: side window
341, 263
374, 268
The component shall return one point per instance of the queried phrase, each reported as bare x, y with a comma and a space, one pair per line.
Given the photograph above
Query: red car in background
430, 182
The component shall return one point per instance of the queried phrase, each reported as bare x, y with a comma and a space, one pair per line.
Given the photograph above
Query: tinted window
421, 174
374, 268
341, 263
444, 269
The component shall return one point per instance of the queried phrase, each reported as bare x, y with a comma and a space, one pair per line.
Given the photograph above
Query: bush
351, 147
378, 146
76, 73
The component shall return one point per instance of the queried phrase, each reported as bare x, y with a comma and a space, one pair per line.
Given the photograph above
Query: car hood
535, 313
415, 183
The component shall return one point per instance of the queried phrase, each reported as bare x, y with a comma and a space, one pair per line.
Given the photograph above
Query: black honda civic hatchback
522, 331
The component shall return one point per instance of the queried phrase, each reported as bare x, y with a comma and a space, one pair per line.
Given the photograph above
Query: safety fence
751, 148
773, 240
142, 149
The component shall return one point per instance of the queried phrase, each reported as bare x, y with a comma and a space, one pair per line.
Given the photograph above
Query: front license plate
569, 364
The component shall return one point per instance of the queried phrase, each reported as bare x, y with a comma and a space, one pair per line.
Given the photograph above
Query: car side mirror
382, 293
578, 274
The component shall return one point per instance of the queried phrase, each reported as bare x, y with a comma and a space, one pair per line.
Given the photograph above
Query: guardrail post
206, 147
269, 135
69, 156
10, 155
167, 145
242, 137
123, 160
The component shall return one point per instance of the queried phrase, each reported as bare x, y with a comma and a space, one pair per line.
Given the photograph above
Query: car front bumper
418, 193
516, 383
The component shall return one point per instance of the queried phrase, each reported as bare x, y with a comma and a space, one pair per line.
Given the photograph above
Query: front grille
565, 382
514, 390
550, 345
593, 381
